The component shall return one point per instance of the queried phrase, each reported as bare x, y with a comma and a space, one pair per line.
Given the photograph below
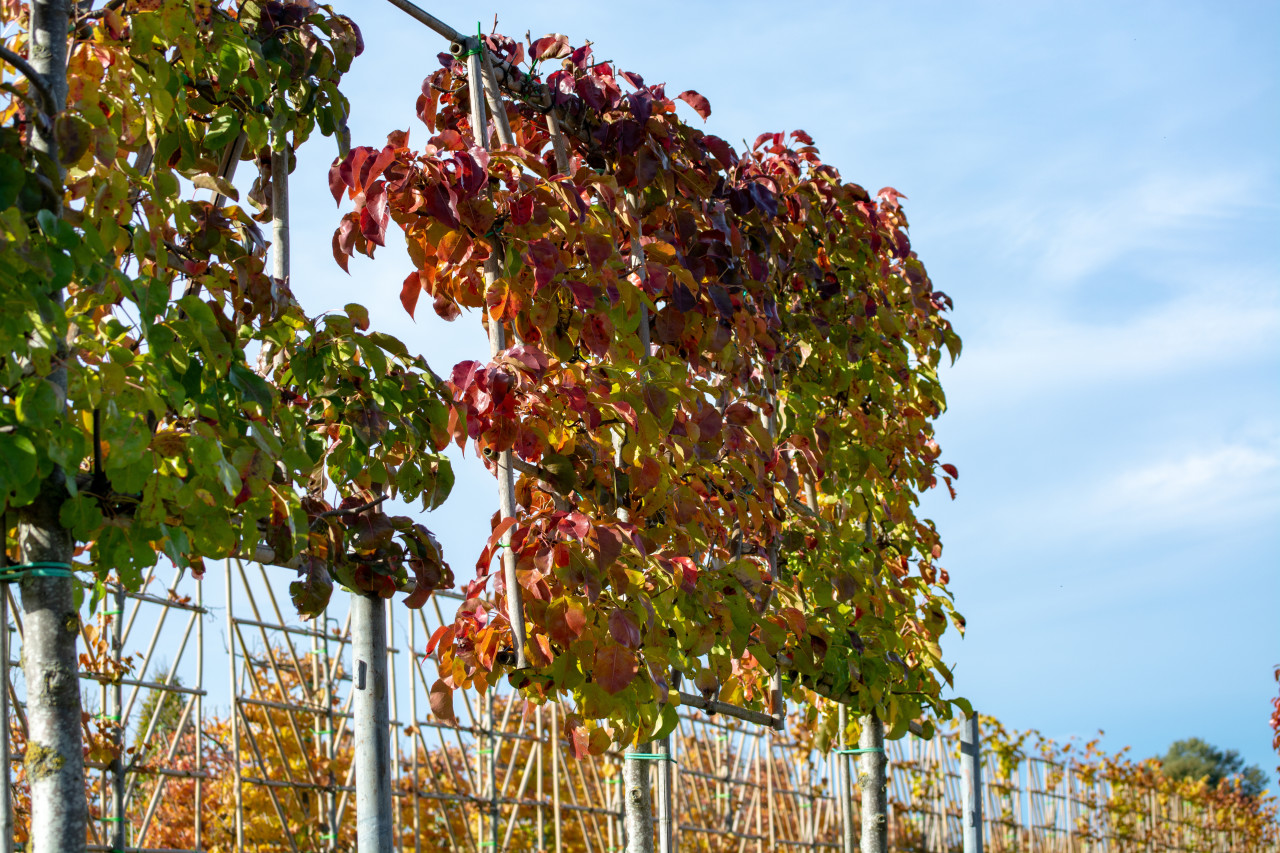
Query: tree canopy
1194, 758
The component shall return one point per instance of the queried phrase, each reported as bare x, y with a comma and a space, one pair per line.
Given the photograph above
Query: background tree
1195, 759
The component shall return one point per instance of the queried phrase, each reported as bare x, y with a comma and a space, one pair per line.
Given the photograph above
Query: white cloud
1037, 351
1230, 482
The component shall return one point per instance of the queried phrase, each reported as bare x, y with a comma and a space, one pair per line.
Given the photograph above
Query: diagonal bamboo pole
497, 343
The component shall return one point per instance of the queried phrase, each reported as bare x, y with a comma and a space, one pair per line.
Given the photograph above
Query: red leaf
554, 46
410, 291
700, 104
337, 186
890, 197
442, 701
579, 738
599, 248
951, 469
597, 334
575, 525
623, 628
440, 634
615, 668
565, 620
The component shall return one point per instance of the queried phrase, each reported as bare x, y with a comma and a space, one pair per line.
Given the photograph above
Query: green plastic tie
722, 796
650, 756
485, 751
478, 50
115, 717
113, 613
859, 751
39, 569
329, 836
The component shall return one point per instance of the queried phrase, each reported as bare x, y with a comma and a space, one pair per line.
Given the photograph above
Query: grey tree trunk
372, 724
54, 761
637, 805
872, 780
971, 783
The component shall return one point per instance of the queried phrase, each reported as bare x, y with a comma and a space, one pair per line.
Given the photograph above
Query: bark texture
54, 761
871, 778
637, 805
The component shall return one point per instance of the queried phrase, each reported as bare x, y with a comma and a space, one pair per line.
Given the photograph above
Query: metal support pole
971, 783
372, 724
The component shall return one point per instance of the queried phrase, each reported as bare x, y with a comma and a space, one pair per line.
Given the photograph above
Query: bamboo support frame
739, 786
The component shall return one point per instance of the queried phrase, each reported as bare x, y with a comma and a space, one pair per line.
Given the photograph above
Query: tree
1196, 759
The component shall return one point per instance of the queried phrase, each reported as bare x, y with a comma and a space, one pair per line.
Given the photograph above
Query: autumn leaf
614, 669
699, 103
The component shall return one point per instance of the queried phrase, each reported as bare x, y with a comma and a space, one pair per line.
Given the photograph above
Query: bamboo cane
6, 761
497, 343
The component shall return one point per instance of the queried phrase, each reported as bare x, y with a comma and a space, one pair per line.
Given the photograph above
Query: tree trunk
372, 724
637, 805
54, 761
871, 778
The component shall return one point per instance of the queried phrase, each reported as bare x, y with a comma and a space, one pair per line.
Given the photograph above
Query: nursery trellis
720, 414
734, 798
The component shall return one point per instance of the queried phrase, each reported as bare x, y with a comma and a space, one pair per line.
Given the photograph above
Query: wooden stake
849, 830
6, 765
371, 724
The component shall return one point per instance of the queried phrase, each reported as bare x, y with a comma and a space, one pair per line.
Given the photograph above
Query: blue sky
1096, 186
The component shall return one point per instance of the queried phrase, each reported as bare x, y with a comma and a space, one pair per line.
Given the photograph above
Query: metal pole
971, 783
372, 724
394, 722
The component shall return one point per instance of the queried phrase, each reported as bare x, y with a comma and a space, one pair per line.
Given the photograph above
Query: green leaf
37, 403
252, 386
223, 130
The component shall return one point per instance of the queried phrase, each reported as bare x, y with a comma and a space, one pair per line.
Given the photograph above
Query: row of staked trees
709, 400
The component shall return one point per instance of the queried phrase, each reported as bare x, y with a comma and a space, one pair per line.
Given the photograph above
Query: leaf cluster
206, 414
720, 397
